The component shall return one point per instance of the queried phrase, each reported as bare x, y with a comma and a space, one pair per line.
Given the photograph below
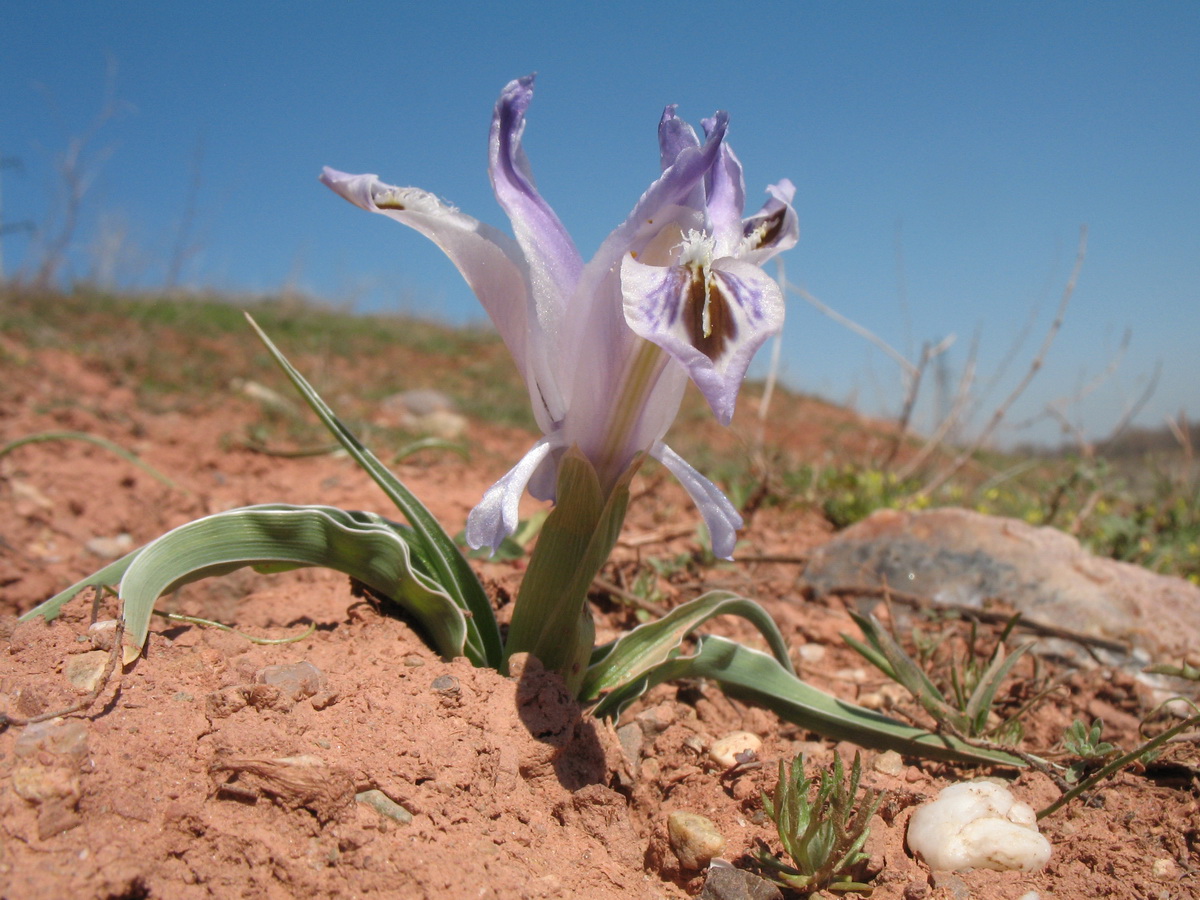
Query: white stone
724, 751
977, 825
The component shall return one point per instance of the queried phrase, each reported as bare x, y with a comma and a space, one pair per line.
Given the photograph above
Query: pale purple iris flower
607, 347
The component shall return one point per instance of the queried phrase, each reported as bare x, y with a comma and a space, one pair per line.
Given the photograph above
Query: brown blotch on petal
765, 232
722, 326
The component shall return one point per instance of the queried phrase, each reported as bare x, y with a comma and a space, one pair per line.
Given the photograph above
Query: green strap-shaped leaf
432, 543
756, 677
631, 655
109, 577
362, 545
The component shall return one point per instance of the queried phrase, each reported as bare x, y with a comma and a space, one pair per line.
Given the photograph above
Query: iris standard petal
722, 519
674, 136
554, 262
712, 318
496, 516
726, 200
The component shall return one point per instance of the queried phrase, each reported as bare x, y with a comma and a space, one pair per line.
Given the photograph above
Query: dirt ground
204, 770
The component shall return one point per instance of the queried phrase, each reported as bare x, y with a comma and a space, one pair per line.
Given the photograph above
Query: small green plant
824, 833
966, 705
1142, 753
1085, 743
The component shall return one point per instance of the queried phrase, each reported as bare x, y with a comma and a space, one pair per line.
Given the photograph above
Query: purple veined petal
726, 200
722, 519
674, 136
772, 229
554, 263
595, 337
489, 260
712, 319
497, 516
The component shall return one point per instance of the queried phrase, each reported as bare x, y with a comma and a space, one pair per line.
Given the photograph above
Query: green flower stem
551, 618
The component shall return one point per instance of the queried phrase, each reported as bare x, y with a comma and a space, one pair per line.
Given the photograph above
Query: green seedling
1085, 743
823, 833
1143, 752
966, 706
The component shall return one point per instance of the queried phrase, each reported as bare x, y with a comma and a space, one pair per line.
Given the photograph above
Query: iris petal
772, 229
496, 516
722, 519
711, 319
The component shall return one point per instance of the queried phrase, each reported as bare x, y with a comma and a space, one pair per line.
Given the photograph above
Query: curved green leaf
362, 545
431, 541
631, 655
108, 577
755, 677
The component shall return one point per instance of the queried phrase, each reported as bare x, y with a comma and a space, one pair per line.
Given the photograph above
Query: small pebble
889, 763
384, 805
655, 720
724, 751
811, 653
295, 680
445, 684
694, 839
110, 547
84, 670
632, 740
1164, 869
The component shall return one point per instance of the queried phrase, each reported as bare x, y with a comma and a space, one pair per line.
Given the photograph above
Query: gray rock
724, 882
959, 557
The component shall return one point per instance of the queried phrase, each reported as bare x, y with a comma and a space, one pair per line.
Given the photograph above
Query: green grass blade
758, 678
631, 655
453, 570
981, 700
361, 545
105, 443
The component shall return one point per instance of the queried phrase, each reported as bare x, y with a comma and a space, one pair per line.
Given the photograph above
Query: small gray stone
724, 882
384, 805
632, 740
445, 684
694, 839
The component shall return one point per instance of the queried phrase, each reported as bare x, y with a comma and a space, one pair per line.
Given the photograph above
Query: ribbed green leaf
109, 577
362, 545
431, 541
631, 655
757, 678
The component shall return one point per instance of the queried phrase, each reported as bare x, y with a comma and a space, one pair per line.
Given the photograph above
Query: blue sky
945, 156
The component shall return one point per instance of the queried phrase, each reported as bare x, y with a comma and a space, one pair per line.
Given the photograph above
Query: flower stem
551, 618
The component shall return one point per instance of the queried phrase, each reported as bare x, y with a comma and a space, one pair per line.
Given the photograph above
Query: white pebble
724, 752
977, 825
